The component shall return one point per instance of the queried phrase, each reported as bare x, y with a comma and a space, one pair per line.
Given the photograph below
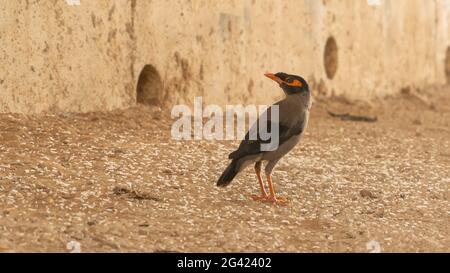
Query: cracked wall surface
60, 57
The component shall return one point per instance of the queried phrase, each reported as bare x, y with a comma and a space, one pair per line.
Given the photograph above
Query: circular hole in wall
447, 65
149, 87
331, 57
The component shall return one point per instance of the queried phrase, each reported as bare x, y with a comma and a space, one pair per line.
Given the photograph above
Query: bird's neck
303, 97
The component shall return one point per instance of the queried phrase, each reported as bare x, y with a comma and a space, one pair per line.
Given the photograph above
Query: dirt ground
117, 182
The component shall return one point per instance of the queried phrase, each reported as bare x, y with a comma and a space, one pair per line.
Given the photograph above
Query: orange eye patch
294, 83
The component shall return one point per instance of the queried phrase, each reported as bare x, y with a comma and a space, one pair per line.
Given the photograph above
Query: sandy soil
116, 182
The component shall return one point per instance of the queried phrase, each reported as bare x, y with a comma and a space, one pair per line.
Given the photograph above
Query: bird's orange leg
263, 196
272, 197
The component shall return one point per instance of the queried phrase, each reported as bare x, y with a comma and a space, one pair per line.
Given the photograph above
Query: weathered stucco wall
89, 57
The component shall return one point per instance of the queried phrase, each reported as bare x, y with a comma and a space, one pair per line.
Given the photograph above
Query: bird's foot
260, 198
277, 200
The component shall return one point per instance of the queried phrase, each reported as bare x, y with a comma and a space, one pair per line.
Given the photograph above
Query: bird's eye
293, 82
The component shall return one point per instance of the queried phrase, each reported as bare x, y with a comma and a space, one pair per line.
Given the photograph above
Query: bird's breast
283, 149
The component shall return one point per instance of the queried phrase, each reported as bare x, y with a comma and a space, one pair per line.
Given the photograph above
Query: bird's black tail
228, 175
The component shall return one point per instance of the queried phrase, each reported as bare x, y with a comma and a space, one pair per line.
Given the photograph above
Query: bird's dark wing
252, 147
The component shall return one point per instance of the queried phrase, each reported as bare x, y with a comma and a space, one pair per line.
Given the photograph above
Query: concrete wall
57, 57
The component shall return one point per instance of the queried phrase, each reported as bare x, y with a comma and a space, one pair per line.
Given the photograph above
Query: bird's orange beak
294, 83
273, 77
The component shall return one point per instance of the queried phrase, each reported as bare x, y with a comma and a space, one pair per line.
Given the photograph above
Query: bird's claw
261, 198
277, 200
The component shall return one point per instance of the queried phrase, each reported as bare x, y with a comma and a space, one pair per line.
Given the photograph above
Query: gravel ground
116, 182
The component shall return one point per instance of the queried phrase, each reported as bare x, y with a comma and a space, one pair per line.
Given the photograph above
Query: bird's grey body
294, 112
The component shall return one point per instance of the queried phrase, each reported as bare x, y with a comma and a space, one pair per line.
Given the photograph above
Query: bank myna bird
292, 121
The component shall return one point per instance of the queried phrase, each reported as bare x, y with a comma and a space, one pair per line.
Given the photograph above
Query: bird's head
291, 84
